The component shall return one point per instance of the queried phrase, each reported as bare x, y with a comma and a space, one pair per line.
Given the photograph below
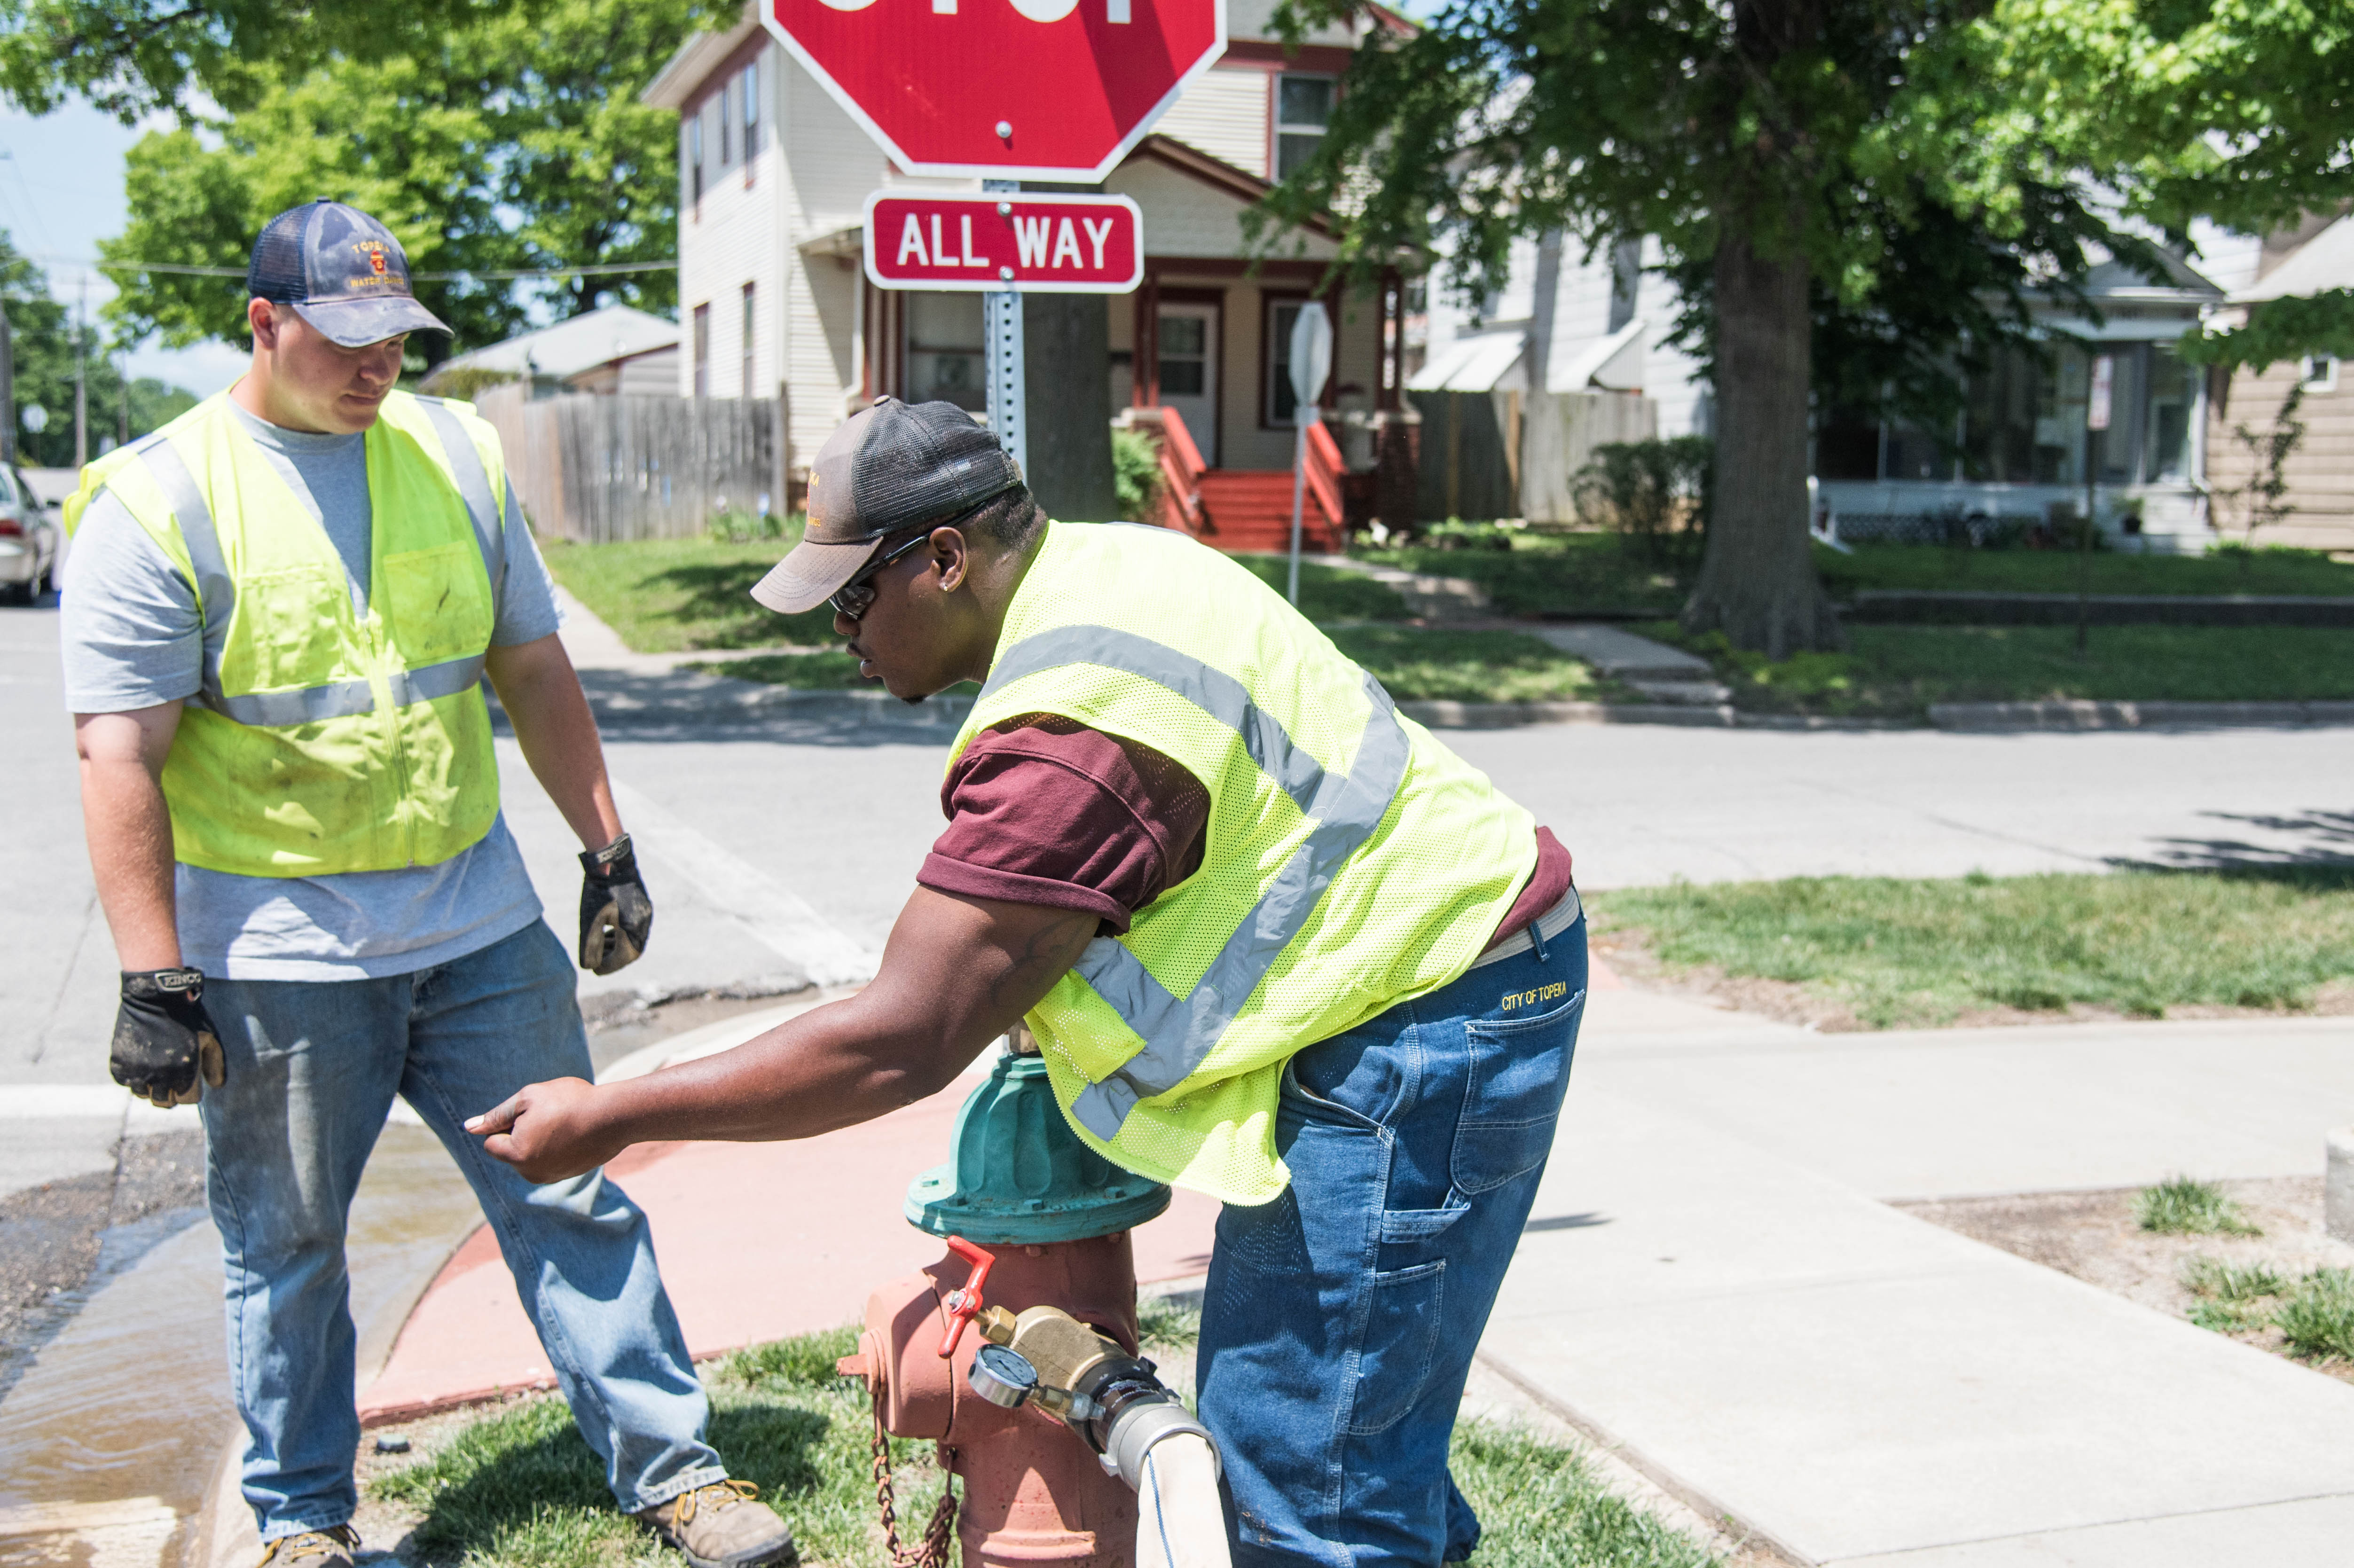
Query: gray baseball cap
889, 468
342, 271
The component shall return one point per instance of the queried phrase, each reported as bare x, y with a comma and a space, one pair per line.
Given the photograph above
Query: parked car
28, 540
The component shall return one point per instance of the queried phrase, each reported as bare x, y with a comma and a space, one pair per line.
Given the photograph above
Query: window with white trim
1303, 112
2320, 372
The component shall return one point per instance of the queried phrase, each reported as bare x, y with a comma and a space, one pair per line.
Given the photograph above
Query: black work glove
616, 916
163, 1040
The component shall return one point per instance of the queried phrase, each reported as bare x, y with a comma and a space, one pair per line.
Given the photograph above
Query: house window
2166, 427
750, 92
746, 382
694, 154
726, 123
702, 351
1303, 111
1282, 407
2320, 372
946, 352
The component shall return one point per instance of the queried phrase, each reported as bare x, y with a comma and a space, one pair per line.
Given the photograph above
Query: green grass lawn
1468, 666
1898, 670
1931, 566
1551, 574
520, 1490
1919, 953
1327, 593
668, 596
1409, 661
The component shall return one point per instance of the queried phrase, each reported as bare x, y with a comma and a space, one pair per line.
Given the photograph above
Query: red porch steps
1250, 509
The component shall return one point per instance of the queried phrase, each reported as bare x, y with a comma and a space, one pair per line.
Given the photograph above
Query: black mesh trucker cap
342, 271
889, 468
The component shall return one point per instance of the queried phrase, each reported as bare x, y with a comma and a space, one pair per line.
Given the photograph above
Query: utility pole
2097, 394
122, 374
82, 378
7, 387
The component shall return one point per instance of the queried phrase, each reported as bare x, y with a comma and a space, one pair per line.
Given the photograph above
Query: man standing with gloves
283, 604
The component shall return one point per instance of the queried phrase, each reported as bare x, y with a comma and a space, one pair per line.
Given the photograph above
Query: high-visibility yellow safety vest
1352, 861
328, 736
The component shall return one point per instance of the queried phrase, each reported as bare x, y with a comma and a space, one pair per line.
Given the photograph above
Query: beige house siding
1226, 115
2320, 472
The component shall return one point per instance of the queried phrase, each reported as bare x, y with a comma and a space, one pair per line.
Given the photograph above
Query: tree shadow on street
2309, 850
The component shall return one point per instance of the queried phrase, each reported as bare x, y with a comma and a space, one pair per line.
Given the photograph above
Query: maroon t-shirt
1043, 810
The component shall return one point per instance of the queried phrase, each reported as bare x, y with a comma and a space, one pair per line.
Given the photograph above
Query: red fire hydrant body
1033, 1491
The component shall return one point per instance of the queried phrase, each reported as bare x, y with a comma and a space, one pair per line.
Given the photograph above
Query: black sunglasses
856, 597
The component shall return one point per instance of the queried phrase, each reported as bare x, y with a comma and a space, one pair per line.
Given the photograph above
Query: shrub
1136, 473
1654, 494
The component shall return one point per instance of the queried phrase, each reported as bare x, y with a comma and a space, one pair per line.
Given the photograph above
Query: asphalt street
785, 847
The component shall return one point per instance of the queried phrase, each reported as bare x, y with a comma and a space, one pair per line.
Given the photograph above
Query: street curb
2079, 715
1448, 715
725, 698
1966, 607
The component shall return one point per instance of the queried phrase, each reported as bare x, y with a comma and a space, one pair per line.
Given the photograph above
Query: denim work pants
1339, 1321
313, 1068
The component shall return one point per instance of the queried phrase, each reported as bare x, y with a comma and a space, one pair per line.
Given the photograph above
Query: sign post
1312, 361
1001, 312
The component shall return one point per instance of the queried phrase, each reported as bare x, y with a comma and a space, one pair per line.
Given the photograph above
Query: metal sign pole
1001, 320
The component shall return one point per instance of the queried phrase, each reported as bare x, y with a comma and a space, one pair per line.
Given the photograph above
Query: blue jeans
313, 1068
1339, 1321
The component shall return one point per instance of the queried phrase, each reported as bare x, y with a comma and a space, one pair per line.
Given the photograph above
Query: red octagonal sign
1039, 90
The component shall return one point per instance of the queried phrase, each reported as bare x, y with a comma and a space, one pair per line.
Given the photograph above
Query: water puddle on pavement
110, 1439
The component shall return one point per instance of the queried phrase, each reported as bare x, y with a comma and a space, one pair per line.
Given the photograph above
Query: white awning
1483, 362
2324, 262
1614, 363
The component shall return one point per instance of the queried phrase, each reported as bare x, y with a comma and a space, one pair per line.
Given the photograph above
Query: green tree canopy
2240, 111
131, 57
513, 141
1797, 160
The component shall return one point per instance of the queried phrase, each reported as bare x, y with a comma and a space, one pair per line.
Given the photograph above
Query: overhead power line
501, 274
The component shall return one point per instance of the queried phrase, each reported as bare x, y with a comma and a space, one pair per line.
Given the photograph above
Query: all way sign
1065, 244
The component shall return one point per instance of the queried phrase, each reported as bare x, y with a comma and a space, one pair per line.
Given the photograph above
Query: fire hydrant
1050, 1434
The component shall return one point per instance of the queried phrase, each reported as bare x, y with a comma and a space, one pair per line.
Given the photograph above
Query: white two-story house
773, 298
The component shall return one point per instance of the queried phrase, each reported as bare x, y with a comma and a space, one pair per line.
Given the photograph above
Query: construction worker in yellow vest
281, 610
1275, 941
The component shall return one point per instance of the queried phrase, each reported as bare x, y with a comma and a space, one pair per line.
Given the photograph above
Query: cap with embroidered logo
341, 271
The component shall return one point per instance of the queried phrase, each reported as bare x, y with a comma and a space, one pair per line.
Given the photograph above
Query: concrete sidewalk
1708, 1286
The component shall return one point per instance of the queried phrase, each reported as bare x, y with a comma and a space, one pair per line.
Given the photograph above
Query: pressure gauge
1003, 1377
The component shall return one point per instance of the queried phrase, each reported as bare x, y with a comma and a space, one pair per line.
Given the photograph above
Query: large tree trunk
1757, 581
1067, 399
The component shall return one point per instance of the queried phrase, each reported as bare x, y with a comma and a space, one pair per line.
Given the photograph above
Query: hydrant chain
934, 1551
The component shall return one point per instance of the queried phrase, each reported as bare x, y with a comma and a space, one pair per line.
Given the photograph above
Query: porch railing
1325, 469
1179, 504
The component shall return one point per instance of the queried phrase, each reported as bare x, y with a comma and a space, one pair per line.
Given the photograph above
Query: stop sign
1040, 90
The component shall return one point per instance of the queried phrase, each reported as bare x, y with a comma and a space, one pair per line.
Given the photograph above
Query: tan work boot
329, 1548
724, 1525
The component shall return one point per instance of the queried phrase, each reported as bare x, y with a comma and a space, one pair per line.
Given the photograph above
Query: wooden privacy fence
595, 469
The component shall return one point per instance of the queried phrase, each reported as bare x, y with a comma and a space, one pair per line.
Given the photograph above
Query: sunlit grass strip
1921, 952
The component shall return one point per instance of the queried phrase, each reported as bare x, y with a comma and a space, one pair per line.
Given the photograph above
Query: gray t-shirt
132, 638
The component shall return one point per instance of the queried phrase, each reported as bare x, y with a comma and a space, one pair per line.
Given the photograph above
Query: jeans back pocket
1512, 1100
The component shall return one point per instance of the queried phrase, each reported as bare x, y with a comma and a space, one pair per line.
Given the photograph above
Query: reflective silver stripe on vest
1179, 1032
216, 589
346, 699
473, 486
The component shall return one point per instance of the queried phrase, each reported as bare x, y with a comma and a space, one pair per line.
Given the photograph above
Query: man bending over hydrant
1276, 943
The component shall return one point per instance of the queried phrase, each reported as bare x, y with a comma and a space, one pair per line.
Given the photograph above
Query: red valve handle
964, 1306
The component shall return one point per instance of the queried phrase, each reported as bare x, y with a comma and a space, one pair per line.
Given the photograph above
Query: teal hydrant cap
1021, 1176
